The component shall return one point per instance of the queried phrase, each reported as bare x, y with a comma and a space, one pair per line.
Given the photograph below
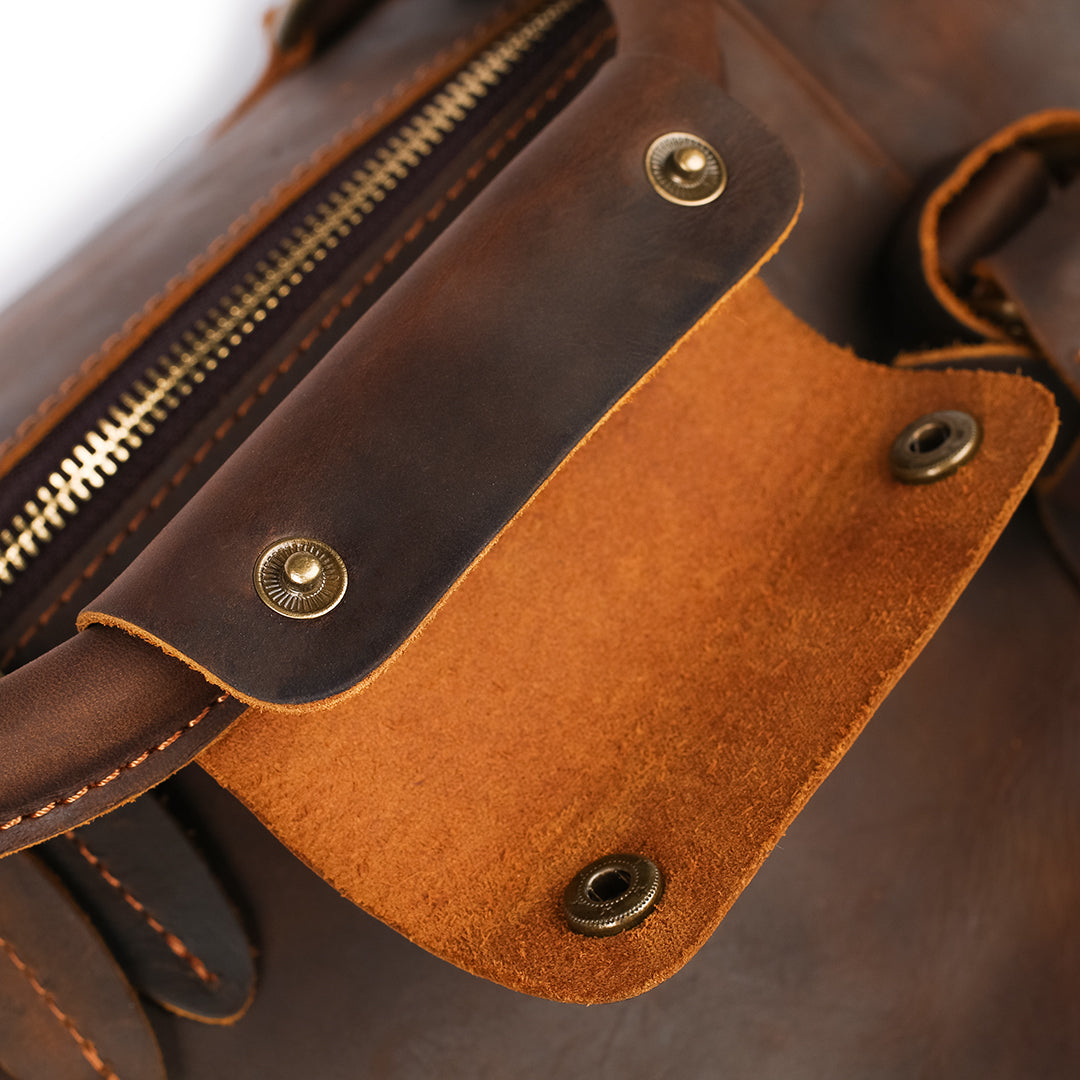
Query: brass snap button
612, 894
300, 578
934, 446
685, 169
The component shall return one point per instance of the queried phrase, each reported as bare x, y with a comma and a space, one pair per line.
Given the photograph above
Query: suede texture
665, 654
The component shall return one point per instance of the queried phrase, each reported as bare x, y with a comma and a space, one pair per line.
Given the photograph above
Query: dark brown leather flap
439, 415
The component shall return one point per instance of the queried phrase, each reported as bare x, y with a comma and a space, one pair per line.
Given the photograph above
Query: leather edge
90, 617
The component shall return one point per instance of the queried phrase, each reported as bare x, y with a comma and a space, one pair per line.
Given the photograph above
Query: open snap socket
612, 894
934, 446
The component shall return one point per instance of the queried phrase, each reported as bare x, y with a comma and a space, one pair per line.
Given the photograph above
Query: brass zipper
149, 401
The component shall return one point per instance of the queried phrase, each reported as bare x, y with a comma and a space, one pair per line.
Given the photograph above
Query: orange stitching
48, 808
300, 174
87, 1048
410, 235
176, 946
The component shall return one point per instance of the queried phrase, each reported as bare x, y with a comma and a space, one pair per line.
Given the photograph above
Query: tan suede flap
665, 653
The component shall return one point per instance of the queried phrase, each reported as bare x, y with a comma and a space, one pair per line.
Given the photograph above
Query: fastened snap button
612, 894
300, 578
934, 446
685, 169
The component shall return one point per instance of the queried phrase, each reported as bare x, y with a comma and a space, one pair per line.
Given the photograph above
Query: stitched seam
234, 231
68, 800
86, 1046
174, 943
410, 235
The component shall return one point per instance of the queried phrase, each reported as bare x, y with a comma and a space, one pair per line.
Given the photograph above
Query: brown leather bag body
591, 608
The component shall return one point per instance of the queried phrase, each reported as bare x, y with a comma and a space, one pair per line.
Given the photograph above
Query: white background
95, 97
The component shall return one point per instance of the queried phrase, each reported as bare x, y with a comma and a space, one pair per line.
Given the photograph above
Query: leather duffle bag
515, 458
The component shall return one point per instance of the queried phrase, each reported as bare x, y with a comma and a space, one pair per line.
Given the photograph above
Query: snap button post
934, 446
302, 568
612, 894
685, 169
300, 578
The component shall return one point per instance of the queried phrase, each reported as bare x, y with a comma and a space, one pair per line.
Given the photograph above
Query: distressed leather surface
158, 251
439, 414
628, 968
923, 80
868, 944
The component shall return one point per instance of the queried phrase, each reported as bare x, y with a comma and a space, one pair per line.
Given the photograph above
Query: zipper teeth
150, 400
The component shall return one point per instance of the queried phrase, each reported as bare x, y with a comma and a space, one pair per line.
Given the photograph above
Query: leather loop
160, 909
997, 275
940, 294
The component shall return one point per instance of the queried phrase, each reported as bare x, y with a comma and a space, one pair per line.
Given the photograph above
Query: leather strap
941, 295
66, 1011
160, 909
